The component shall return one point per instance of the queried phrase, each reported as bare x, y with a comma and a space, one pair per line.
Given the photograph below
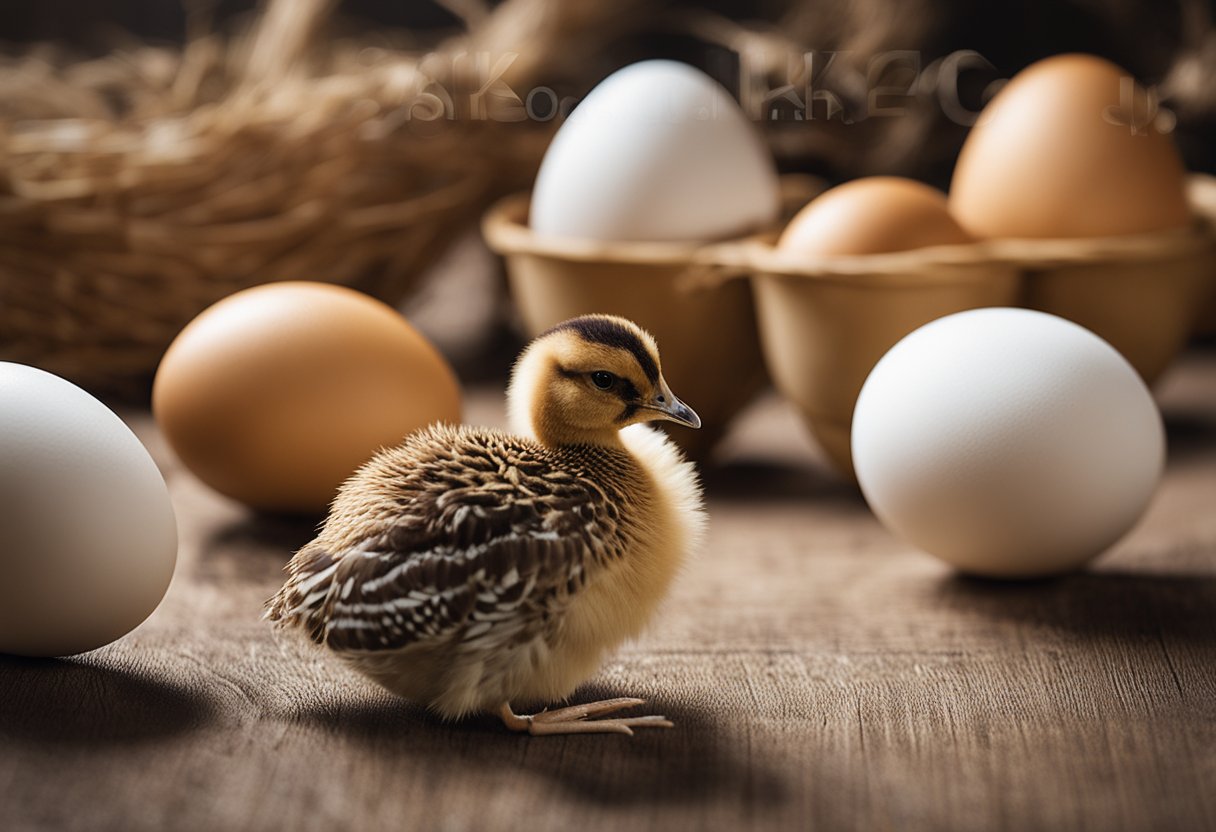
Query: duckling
471, 569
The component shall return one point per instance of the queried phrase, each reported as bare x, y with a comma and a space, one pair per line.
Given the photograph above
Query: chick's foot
573, 720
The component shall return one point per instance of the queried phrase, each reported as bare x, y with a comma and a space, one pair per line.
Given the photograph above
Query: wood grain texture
822, 676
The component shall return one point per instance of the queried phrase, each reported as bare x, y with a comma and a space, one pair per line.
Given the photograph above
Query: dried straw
139, 188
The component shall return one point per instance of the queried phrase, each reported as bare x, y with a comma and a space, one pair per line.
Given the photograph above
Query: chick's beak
672, 409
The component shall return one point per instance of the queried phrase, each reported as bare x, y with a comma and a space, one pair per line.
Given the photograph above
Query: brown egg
275, 395
874, 215
1071, 147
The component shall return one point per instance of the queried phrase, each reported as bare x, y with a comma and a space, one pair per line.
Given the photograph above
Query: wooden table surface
820, 672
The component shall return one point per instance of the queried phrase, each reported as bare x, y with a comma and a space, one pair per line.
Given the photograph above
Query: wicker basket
277, 156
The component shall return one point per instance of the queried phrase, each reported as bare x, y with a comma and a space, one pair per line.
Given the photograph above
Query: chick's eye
603, 379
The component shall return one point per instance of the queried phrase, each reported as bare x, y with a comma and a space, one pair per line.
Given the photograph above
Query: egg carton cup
705, 325
1202, 193
1144, 294
825, 322
707, 334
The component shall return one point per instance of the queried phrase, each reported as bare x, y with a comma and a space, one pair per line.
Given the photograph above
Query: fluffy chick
469, 569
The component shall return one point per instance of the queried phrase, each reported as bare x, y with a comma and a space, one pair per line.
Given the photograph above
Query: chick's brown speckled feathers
470, 568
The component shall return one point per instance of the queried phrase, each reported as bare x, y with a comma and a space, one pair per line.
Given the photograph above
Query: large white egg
88, 539
1008, 443
657, 151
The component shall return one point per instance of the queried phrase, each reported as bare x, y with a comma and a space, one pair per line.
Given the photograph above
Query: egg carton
820, 325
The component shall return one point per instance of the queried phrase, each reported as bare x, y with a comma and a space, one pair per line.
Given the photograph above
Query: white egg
88, 539
1008, 443
657, 151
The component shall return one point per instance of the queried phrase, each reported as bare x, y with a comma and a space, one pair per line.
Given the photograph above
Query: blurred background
159, 155
572, 45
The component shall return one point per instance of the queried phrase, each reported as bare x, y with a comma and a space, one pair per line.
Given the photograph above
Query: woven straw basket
280, 156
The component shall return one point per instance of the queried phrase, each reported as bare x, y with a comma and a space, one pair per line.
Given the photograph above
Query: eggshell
1069, 149
657, 151
1007, 442
873, 215
275, 395
88, 539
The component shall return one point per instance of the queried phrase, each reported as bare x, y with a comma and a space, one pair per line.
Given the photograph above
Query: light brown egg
275, 395
874, 215
1071, 147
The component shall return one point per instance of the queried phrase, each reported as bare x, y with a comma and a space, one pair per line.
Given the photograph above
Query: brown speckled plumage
471, 526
